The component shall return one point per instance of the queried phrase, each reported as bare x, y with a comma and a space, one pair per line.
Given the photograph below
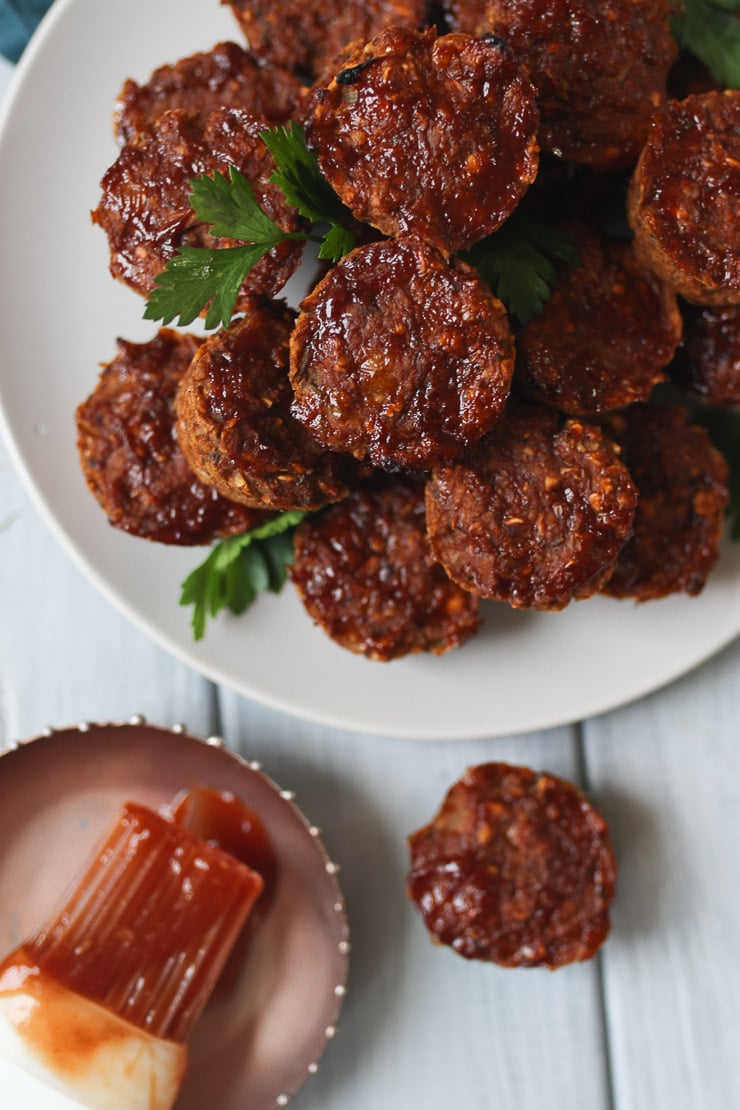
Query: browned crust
434, 136
234, 421
709, 362
145, 211
605, 336
365, 573
683, 197
131, 457
225, 77
599, 66
400, 357
307, 37
516, 868
682, 483
536, 514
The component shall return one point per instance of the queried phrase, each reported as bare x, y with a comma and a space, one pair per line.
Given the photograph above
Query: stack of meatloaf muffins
445, 450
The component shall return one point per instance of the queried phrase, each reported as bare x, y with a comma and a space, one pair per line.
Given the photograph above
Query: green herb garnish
198, 276
239, 568
519, 263
304, 186
710, 29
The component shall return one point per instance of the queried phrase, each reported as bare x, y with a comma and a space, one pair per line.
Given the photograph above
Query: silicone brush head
147, 929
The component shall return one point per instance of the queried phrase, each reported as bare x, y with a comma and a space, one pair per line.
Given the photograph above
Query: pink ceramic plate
275, 1007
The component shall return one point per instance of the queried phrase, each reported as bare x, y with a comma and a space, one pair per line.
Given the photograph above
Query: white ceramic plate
61, 312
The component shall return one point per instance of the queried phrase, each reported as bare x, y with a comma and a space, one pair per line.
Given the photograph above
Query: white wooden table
652, 1024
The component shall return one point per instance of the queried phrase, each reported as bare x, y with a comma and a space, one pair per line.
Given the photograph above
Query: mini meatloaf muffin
306, 35
145, 207
468, 16
365, 574
434, 136
517, 868
536, 514
225, 77
400, 357
682, 484
130, 455
599, 66
606, 334
234, 419
709, 362
683, 198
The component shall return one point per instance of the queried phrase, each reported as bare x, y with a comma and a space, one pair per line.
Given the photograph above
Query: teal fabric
18, 19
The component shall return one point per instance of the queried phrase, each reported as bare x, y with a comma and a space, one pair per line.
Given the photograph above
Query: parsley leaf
299, 176
710, 29
723, 426
518, 262
240, 567
305, 187
197, 276
229, 204
336, 242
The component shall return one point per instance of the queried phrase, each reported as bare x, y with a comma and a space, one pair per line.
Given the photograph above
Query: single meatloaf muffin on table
516, 868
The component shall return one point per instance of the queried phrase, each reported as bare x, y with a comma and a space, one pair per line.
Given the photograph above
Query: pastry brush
96, 1007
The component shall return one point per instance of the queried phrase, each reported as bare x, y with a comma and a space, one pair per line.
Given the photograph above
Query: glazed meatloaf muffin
682, 483
433, 136
145, 205
306, 35
130, 454
536, 514
599, 66
516, 868
605, 336
400, 357
683, 197
225, 77
709, 362
234, 421
365, 573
